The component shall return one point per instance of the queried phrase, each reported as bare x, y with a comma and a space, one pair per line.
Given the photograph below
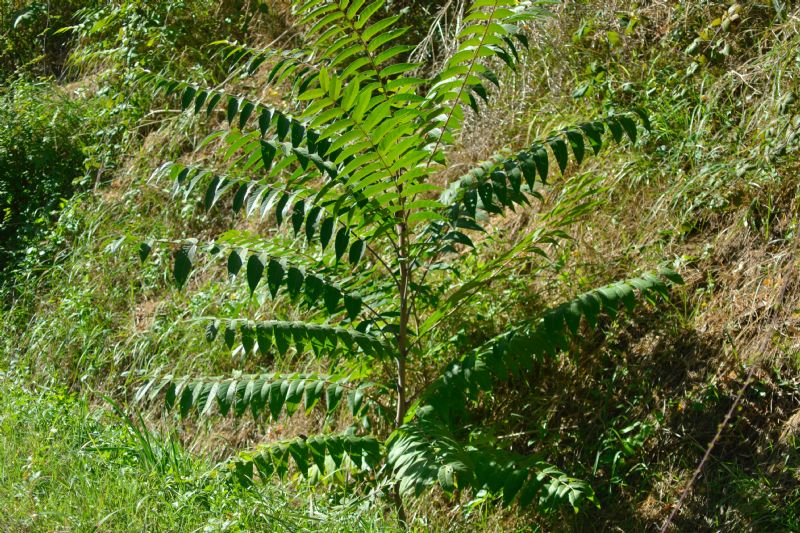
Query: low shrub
41, 154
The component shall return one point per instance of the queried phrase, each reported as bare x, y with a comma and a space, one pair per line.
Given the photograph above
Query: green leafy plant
42, 152
30, 43
381, 252
123, 34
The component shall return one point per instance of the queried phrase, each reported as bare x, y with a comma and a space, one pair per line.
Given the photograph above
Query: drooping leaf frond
426, 448
322, 339
281, 273
272, 393
425, 452
311, 212
318, 455
489, 31
282, 144
502, 182
517, 349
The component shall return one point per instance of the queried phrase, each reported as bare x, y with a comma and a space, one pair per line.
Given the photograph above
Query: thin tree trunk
402, 349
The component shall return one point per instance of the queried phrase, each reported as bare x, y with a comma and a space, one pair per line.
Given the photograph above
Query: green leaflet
212, 103
294, 281
239, 198
326, 232
183, 264
298, 133
342, 240
629, 126
211, 331
298, 216
283, 124
200, 99
594, 133
540, 158
313, 288
311, 222
211, 192
248, 336
144, 251
559, 148
188, 97
352, 304
576, 142
275, 273
268, 151
264, 120
331, 295
244, 115
356, 251
255, 269
230, 336
234, 263
232, 109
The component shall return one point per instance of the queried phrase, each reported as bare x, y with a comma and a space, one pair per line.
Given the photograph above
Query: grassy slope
714, 184
67, 467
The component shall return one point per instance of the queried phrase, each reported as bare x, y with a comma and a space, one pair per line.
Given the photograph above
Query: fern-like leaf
425, 452
502, 182
322, 339
312, 456
522, 345
273, 394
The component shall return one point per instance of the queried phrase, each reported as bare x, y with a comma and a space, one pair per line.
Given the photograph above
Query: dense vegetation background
629, 407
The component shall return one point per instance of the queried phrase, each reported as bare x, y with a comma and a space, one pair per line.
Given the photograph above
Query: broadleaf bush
42, 154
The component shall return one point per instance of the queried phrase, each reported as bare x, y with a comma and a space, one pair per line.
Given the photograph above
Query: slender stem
398, 503
402, 341
401, 391
402, 338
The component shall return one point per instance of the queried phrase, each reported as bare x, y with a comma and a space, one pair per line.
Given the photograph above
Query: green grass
66, 467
